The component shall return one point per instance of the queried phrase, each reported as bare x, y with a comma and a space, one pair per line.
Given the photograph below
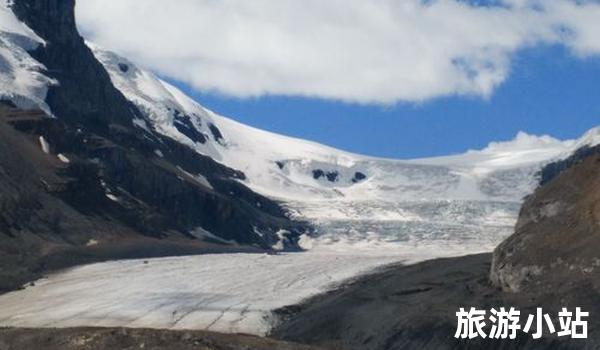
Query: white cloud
380, 51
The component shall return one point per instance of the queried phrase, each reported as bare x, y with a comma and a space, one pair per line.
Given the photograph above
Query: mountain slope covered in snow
347, 195
294, 169
469, 199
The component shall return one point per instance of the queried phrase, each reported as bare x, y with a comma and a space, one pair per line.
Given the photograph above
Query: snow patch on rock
63, 158
44, 145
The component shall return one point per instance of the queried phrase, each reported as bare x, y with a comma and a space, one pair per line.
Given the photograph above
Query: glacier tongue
221, 292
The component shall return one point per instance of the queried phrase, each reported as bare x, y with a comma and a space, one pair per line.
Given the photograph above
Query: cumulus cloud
381, 52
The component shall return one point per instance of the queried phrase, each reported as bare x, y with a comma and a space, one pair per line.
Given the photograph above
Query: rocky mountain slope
59, 211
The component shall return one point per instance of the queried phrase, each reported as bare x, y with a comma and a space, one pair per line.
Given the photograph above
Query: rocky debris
123, 67
128, 338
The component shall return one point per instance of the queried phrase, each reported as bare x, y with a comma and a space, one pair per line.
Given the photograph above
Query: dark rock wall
552, 170
85, 94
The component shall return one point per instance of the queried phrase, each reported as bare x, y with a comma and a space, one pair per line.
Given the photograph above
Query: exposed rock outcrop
84, 93
558, 231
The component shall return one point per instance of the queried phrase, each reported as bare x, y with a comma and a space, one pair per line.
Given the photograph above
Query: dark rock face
552, 170
558, 230
85, 95
331, 176
217, 136
123, 67
50, 210
358, 177
183, 124
318, 173
7, 103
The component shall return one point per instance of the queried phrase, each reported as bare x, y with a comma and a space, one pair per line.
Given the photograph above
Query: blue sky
400, 79
549, 91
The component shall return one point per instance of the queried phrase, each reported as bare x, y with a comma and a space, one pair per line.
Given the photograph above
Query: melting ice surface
230, 292
237, 292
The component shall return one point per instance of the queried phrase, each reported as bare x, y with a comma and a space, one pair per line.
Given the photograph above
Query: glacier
368, 211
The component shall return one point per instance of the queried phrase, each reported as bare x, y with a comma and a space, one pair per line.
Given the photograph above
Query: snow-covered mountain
124, 165
353, 197
469, 201
294, 169
314, 181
